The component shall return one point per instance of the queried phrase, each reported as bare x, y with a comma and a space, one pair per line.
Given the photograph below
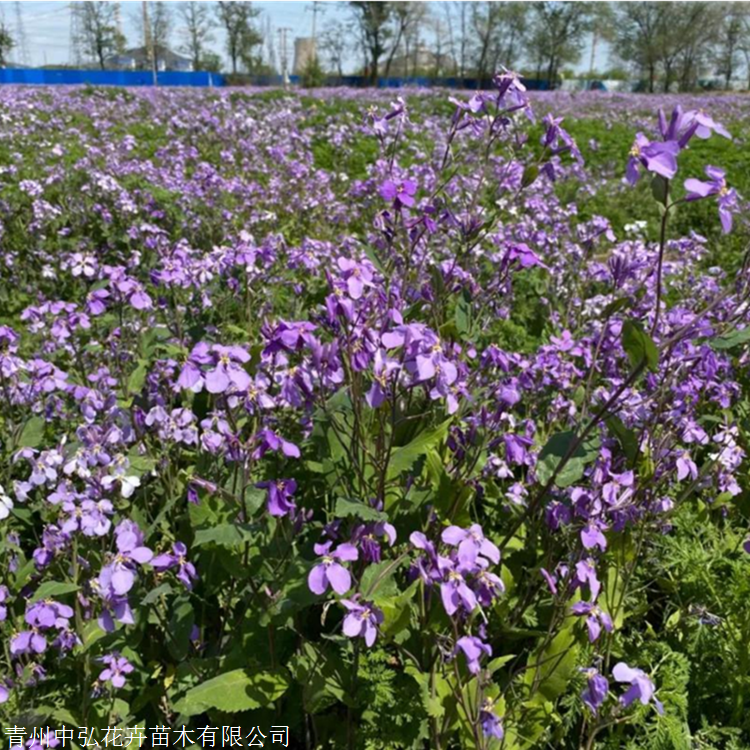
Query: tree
407, 17
373, 22
639, 35
6, 43
500, 29
463, 44
334, 43
160, 17
197, 31
557, 33
242, 36
100, 37
730, 35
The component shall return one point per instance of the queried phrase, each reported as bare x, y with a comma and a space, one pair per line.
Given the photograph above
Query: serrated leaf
358, 509
224, 535
234, 692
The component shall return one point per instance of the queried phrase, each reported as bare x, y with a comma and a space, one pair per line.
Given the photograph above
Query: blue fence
108, 77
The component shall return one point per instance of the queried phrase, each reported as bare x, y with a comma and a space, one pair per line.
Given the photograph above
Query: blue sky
46, 24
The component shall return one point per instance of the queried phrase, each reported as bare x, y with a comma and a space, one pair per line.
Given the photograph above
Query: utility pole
594, 40
23, 50
314, 19
284, 56
118, 26
76, 55
148, 42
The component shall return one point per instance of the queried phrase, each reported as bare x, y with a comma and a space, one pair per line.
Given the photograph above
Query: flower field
408, 421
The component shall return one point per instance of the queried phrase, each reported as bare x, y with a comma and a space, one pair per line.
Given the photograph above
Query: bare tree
730, 36
242, 36
407, 17
160, 16
373, 23
100, 37
334, 43
197, 31
639, 35
557, 33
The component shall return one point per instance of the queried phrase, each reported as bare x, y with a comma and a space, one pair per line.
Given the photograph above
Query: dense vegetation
402, 424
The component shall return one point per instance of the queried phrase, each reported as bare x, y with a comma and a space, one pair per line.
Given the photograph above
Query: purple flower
597, 687
705, 125
362, 620
471, 542
280, 492
641, 686
473, 648
119, 575
117, 667
48, 614
401, 193
657, 157
717, 185
227, 370
383, 367
686, 467
28, 641
454, 590
328, 571
356, 275
490, 722
586, 573
596, 618
3, 599
592, 536
270, 441
177, 559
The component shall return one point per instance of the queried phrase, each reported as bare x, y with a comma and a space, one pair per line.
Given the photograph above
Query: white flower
128, 485
6, 504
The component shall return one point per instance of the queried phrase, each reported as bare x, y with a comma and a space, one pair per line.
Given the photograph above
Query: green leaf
138, 377
529, 175
224, 535
556, 448
233, 692
377, 581
51, 590
639, 346
180, 625
346, 508
731, 340
32, 433
552, 669
403, 458
659, 189
462, 315
625, 436
155, 594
